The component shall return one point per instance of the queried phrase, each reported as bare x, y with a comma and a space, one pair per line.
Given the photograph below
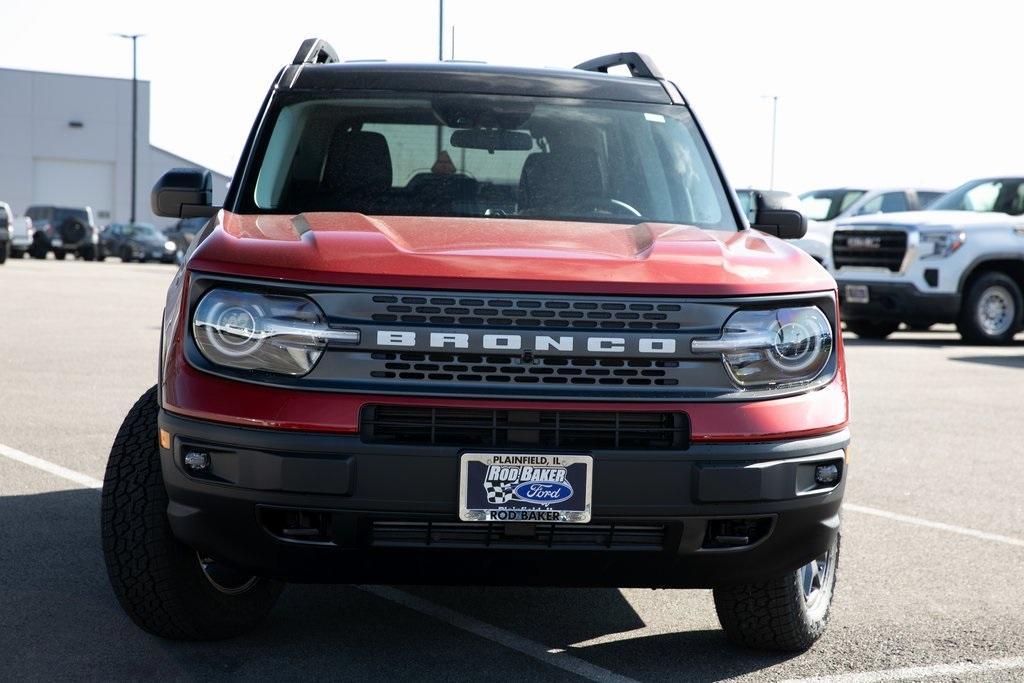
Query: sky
872, 94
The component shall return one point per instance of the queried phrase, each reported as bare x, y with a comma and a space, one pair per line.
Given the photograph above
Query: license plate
857, 294
512, 487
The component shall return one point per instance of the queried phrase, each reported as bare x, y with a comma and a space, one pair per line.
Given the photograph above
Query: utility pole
775, 118
440, 58
134, 37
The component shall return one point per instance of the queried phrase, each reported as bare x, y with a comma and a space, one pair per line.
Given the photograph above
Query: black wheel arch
1010, 263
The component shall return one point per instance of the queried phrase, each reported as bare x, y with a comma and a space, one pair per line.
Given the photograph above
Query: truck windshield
1004, 195
487, 156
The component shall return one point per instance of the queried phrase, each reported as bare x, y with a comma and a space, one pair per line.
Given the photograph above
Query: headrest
560, 178
358, 164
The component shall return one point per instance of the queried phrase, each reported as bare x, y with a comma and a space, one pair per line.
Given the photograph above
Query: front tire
59, 254
872, 329
785, 614
992, 309
166, 588
5, 251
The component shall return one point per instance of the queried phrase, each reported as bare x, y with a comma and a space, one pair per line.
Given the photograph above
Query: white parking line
52, 468
554, 656
942, 526
919, 672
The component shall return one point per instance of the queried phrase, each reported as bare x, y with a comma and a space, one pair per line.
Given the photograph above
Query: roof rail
315, 51
639, 65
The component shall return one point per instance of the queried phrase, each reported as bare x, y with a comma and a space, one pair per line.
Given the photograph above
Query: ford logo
543, 492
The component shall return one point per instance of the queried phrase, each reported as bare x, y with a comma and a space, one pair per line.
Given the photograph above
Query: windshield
825, 205
486, 156
1004, 195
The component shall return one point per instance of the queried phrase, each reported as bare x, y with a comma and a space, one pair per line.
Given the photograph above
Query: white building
67, 140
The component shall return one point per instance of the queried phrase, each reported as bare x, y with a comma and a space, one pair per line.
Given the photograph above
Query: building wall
66, 139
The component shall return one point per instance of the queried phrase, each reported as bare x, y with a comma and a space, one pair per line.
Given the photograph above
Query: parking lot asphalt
931, 581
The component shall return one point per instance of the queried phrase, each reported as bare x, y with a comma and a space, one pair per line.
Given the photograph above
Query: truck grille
869, 249
474, 311
548, 429
524, 536
444, 367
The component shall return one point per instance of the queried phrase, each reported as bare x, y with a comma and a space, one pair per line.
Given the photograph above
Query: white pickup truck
962, 262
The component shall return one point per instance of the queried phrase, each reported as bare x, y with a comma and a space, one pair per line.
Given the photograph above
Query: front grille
517, 536
446, 367
869, 249
536, 429
473, 311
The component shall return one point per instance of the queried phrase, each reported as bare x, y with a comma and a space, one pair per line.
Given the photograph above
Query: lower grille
869, 249
582, 430
520, 536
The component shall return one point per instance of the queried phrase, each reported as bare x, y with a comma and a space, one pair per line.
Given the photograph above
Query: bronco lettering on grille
517, 342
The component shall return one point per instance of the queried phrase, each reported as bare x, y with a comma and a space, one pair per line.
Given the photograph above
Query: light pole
134, 37
775, 117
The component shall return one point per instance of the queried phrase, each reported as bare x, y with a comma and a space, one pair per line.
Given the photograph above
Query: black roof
473, 78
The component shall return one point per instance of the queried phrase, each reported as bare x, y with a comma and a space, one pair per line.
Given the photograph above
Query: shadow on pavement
1000, 361
58, 614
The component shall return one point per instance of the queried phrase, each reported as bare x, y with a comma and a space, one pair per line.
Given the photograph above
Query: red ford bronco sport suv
468, 324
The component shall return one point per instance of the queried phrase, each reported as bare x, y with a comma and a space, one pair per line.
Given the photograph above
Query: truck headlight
941, 243
286, 335
772, 347
170, 246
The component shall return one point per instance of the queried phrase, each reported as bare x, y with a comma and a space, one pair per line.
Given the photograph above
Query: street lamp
134, 37
775, 116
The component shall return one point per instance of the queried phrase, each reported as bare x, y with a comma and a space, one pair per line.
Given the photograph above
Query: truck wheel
166, 587
59, 254
5, 251
872, 329
786, 614
126, 255
88, 253
991, 312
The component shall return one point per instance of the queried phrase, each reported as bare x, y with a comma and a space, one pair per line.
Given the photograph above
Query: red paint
496, 255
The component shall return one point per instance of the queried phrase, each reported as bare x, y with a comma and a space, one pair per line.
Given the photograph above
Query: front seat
357, 173
559, 180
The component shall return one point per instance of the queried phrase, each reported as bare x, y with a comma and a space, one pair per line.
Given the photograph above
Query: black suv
63, 230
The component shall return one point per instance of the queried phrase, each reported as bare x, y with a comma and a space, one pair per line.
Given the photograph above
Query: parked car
184, 231
63, 230
136, 242
6, 220
824, 207
22, 232
961, 261
566, 361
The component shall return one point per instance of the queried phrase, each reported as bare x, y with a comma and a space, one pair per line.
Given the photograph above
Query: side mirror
777, 214
184, 193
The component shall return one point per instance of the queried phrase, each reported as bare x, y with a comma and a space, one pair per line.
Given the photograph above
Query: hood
935, 219
506, 254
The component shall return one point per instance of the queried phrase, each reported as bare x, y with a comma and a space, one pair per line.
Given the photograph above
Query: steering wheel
606, 205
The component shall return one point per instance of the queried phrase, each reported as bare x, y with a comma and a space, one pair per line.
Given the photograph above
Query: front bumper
388, 513
901, 302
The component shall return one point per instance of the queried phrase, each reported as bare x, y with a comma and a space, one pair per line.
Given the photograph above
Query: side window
982, 197
926, 198
887, 202
894, 201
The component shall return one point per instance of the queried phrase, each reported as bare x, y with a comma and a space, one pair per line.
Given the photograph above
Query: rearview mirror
777, 214
492, 139
184, 193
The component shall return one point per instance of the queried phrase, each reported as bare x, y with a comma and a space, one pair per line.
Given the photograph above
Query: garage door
75, 183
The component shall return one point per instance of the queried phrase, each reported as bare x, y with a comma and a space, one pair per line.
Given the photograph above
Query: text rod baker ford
470, 324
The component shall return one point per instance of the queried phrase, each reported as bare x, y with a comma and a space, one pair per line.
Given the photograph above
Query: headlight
286, 335
170, 246
940, 244
770, 348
